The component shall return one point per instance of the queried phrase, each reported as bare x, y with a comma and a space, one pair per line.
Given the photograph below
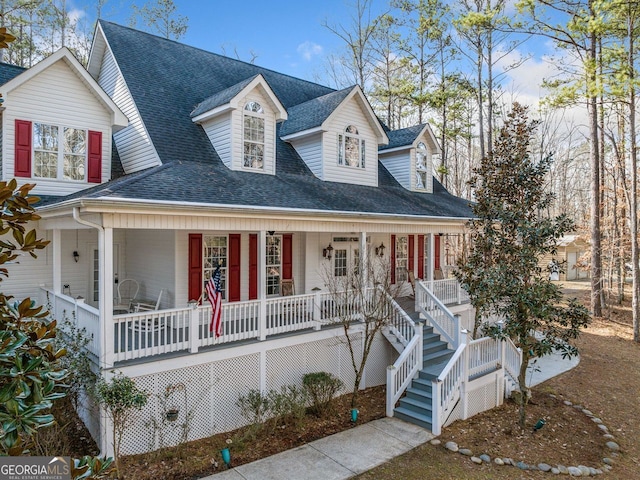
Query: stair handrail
400, 324
438, 315
512, 356
446, 388
404, 369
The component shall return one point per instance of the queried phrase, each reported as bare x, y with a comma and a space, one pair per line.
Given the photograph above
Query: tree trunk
523, 398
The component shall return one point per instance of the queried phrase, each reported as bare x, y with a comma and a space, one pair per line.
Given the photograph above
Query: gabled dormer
409, 157
337, 135
240, 122
57, 125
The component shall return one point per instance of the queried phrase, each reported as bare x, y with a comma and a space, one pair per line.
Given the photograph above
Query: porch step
436, 358
423, 421
433, 347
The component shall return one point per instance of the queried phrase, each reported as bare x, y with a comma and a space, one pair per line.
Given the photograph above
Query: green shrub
287, 405
254, 406
321, 387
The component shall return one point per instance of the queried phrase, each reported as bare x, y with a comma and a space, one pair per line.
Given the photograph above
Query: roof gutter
117, 203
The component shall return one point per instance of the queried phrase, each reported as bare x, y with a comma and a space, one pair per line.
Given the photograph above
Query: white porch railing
448, 291
409, 363
447, 388
65, 308
512, 359
483, 355
438, 315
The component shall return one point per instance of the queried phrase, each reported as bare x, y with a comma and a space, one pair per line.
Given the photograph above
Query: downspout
105, 319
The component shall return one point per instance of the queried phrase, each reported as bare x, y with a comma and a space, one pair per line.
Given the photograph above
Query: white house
163, 161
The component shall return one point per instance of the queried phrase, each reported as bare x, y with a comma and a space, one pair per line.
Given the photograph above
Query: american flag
214, 294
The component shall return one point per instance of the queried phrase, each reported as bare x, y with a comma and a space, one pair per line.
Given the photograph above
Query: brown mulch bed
202, 457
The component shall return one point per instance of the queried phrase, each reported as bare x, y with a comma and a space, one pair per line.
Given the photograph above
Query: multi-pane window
351, 149
421, 166
253, 136
340, 263
59, 152
402, 259
215, 253
274, 264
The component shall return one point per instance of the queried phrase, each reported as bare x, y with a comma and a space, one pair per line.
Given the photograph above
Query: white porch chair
127, 292
146, 307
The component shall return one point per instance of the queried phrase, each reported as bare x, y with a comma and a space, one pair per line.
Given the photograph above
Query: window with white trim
274, 264
402, 259
59, 152
422, 169
215, 253
253, 149
340, 263
351, 148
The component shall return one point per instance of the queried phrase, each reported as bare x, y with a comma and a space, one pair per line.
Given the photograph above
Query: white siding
134, 145
28, 273
237, 141
57, 96
310, 150
350, 113
218, 130
401, 166
150, 260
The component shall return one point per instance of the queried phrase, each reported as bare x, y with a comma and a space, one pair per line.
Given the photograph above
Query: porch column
431, 265
105, 279
364, 259
262, 283
56, 245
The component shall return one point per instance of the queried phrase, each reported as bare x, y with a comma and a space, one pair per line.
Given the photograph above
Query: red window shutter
421, 256
195, 266
94, 159
253, 266
393, 259
233, 268
287, 257
22, 159
436, 252
411, 266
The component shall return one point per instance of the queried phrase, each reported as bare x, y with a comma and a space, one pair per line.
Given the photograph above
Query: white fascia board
214, 112
281, 112
128, 205
118, 119
428, 133
382, 153
302, 134
382, 137
98, 46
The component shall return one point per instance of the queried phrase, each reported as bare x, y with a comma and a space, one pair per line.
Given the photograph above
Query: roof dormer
240, 122
337, 135
409, 157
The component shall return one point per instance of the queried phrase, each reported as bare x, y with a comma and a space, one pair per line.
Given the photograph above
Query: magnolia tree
509, 234
361, 297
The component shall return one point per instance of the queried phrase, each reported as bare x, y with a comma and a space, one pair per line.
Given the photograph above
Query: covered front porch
275, 271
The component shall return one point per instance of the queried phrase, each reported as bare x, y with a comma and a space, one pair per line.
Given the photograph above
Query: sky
288, 36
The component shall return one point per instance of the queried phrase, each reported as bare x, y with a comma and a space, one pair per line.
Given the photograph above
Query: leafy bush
321, 387
287, 405
254, 406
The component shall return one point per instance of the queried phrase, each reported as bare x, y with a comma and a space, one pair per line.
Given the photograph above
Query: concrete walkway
364, 447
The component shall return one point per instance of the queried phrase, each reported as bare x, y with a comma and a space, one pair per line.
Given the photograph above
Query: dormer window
351, 151
253, 136
421, 166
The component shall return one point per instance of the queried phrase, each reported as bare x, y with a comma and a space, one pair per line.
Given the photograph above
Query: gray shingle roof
9, 72
221, 98
402, 137
313, 113
168, 79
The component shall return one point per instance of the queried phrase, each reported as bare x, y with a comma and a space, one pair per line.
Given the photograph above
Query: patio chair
127, 293
146, 307
287, 288
412, 281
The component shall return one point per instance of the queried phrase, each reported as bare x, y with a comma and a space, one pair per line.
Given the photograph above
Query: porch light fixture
76, 256
327, 252
380, 250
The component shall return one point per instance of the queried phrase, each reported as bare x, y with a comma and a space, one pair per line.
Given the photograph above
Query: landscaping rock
508, 461
578, 407
544, 467
522, 466
555, 471
575, 472
596, 420
613, 446
603, 428
607, 461
466, 451
476, 460
567, 403
588, 413
452, 446
608, 436
585, 470
563, 470
435, 441
485, 458
594, 471
498, 461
